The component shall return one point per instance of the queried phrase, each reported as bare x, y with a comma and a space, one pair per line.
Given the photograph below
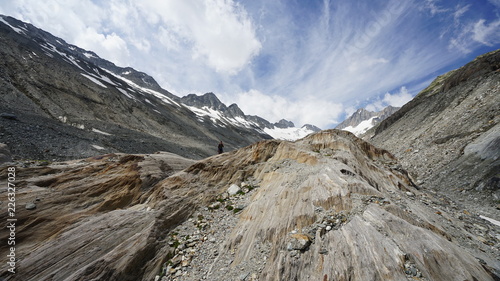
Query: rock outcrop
327, 207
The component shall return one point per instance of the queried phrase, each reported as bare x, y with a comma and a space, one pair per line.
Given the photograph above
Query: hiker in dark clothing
220, 147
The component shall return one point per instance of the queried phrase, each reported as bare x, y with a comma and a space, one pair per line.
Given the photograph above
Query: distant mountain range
362, 120
70, 103
208, 105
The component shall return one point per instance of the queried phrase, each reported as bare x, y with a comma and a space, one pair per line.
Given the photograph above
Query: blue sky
306, 61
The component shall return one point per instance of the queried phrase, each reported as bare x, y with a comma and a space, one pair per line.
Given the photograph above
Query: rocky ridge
327, 207
53, 94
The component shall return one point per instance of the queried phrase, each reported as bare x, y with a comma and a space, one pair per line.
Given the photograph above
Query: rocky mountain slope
448, 136
362, 120
59, 101
327, 207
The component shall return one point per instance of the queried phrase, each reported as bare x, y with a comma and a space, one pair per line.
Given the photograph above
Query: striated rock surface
327, 207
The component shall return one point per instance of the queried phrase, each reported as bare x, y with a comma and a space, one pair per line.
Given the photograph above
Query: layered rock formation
327, 207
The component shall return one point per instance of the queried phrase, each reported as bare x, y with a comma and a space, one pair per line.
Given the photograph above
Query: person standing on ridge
220, 147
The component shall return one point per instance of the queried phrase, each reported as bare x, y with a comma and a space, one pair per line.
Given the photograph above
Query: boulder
233, 189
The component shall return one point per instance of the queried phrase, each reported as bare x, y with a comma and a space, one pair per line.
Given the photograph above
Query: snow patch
159, 95
94, 80
361, 128
100, 132
290, 134
213, 114
126, 93
18, 30
98, 147
89, 55
495, 222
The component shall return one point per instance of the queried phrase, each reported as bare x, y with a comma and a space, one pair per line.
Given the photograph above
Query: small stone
328, 228
299, 242
185, 263
30, 206
244, 276
215, 205
233, 190
410, 194
8, 116
176, 260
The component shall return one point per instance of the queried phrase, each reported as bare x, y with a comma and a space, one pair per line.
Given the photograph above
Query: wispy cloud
303, 111
397, 99
433, 6
487, 34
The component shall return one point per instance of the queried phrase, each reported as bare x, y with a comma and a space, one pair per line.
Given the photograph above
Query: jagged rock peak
208, 99
311, 128
362, 115
234, 110
284, 124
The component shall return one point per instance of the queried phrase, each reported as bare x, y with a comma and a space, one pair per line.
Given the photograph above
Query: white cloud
433, 7
495, 2
478, 33
78, 22
460, 11
487, 34
110, 46
397, 100
218, 31
305, 111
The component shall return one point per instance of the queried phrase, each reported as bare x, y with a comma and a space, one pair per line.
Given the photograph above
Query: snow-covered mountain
362, 120
64, 95
290, 132
209, 106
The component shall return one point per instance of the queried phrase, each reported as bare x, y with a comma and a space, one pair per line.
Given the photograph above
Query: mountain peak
283, 123
362, 120
209, 100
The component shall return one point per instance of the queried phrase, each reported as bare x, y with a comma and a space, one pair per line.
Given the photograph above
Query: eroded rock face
327, 207
91, 220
